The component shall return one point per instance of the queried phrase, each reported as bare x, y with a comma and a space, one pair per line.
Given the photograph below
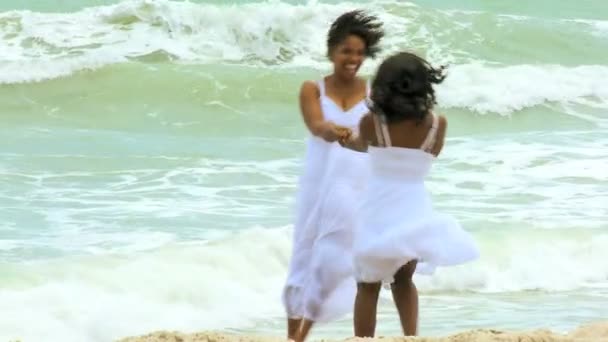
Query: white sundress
397, 222
320, 285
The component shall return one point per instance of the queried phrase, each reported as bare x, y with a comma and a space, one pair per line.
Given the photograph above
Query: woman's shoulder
314, 83
310, 88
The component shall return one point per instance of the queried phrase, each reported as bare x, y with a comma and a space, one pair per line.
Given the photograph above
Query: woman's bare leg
293, 324
303, 330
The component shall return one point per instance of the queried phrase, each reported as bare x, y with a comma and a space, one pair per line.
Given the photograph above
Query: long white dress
397, 222
320, 285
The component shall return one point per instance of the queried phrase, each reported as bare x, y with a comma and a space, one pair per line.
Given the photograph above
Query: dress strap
381, 127
368, 88
429, 141
321, 85
386, 135
378, 131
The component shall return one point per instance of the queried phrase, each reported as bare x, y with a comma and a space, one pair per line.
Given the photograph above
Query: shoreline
590, 332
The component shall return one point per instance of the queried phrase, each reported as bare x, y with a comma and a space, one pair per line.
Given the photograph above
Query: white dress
320, 285
397, 222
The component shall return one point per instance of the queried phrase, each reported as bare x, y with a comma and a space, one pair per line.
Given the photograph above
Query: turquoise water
149, 152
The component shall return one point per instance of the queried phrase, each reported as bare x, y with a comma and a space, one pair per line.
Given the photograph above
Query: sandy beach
592, 332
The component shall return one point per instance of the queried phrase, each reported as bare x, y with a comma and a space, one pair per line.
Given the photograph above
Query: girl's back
402, 101
428, 135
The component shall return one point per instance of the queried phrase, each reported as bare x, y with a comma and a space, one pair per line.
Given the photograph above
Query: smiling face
348, 56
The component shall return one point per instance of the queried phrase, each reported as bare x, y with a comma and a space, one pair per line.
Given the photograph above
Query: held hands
353, 142
347, 142
332, 132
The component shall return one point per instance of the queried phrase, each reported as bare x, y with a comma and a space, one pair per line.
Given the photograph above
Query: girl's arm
310, 107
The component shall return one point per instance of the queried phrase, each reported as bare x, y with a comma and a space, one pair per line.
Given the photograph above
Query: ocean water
149, 153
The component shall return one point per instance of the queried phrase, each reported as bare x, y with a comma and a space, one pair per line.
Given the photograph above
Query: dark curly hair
403, 88
358, 23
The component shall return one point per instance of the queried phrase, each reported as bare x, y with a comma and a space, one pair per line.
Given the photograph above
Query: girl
399, 231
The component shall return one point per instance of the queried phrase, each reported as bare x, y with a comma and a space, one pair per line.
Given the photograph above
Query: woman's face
348, 56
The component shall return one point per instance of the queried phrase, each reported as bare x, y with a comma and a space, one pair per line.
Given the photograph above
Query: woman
399, 231
320, 286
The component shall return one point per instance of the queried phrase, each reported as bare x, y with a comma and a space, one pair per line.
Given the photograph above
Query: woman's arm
361, 142
310, 107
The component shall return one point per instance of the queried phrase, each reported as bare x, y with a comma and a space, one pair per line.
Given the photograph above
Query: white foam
39, 46
235, 282
506, 89
206, 285
597, 27
535, 262
537, 180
